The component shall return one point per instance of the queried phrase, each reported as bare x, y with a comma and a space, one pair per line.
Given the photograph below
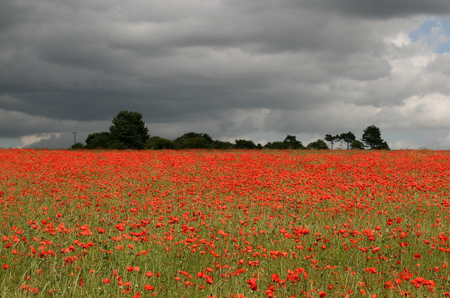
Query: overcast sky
253, 69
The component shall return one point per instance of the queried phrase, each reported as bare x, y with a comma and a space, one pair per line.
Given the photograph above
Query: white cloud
427, 111
28, 140
400, 39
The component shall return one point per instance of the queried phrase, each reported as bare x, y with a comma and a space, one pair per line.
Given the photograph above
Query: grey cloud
381, 9
21, 124
229, 68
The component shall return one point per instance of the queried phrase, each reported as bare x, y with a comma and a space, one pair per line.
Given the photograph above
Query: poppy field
206, 223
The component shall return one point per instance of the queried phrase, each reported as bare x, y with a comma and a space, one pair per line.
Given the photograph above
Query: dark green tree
192, 140
290, 142
357, 145
156, 143
245, 144
331, 139
372, 138
222, 145
116, 144
128, 129
318, 145
293, 143
98, 140
276, 145
77, 145
348, 138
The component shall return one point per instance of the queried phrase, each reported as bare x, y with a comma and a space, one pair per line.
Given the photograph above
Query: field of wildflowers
224, 223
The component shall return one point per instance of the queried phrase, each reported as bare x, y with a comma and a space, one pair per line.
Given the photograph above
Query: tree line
129, 132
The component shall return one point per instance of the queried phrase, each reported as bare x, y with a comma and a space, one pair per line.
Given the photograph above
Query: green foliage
348, 138
290, 142
156, 143
332, 139
117, 145
192, 140
77, 145
293, 143
357, 145
222, 145
318, 145
276, 145
128, 130
245, 144
98, 140
372, 138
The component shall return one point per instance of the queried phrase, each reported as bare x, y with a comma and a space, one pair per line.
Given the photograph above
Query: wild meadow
206, 223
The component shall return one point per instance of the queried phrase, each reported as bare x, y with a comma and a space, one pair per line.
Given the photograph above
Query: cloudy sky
253, 69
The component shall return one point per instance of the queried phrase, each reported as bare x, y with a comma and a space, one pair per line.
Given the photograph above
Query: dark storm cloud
230, 68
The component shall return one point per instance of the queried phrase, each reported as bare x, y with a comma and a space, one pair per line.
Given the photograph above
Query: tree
157, 143
331, 139
77, 145
192, 140
116, 144
293, 143
276, 145
245, 144
318, 145
357, 145
372, 138
128, 130
222, 145
348, 138
98, 140
290, 142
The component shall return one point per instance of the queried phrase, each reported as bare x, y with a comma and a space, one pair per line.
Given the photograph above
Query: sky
254, 69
